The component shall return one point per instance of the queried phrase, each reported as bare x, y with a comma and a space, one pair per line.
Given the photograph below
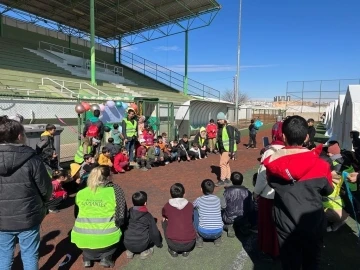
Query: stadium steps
21, 69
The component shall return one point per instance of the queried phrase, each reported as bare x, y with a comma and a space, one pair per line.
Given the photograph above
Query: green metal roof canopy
115, 18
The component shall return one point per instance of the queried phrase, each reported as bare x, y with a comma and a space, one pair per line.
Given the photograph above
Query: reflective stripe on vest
226, 140
79, 156
130, 128
334, 201
95, 225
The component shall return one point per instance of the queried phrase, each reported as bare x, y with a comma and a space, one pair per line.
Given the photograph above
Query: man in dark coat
25, 187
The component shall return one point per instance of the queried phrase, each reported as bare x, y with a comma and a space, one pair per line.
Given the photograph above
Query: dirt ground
55, 245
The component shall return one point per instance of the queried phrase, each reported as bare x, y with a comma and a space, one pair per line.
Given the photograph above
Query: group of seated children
186, 224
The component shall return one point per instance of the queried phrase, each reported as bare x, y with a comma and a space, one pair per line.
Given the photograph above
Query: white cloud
167, 48
130, 48
214, 68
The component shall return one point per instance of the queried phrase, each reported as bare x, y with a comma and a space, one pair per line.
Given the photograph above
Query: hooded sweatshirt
262, 187
46, 142
142, 230
25, 187
179, 215
300, 178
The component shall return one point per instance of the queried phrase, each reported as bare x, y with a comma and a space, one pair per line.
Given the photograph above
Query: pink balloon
102, 107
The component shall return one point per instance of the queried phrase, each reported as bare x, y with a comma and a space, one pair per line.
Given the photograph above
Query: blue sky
282, 40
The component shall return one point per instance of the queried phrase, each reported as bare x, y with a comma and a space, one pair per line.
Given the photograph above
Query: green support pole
1, 26
186, 63
119, 60
70, 44
92, 42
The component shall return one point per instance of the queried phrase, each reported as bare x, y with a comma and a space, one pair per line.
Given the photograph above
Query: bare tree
229, 95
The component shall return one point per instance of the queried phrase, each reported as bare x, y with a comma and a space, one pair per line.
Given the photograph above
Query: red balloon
85, 105
79, 109
134, 106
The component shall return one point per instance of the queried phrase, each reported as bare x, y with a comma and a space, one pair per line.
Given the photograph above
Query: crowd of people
298, 193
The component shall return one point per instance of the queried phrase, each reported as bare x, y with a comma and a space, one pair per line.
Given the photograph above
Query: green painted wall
32, 40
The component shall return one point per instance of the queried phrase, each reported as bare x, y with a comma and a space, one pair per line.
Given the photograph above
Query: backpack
237, 134
93, 131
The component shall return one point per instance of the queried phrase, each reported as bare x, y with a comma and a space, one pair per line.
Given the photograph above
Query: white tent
333, 112
329, 118
327, 115
337, 131
350, 115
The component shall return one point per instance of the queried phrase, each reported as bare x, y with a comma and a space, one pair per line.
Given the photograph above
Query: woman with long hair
100, 211
25, 188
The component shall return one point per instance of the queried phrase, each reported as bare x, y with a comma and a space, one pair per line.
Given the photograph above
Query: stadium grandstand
54, 54
48, 48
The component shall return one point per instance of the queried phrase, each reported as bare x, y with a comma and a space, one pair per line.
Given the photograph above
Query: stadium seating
21, 73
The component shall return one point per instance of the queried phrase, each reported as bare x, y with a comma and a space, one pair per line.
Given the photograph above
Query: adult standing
227, 148
25, 188
267, 237
94, 128
129, 131
100, 212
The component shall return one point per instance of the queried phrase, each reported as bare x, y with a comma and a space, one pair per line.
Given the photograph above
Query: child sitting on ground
183, 149
121, 161
207, 215
105, 157
141, 157
114, 149
142, 233
148, 136
173, 150
59, 195
155, 155
178, 222
164, 149
237, 205
164, 137
194, 151
88, 164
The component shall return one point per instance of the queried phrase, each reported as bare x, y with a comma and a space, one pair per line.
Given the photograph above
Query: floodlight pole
186, 62
1, 25
238, 68
92, 42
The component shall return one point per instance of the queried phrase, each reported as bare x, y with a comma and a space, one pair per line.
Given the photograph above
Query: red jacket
58, 191
141, 151
211, 130
149, 138
120, 158
179, 213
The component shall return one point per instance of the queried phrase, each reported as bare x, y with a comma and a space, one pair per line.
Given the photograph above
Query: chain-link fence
61, 111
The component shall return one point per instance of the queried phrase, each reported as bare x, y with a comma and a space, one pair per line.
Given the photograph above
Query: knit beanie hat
334, 149
221, 116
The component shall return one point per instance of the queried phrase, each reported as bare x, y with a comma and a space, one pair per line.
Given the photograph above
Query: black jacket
25, 186
311, 133
185, 144
237, 202
142, 231
46, 142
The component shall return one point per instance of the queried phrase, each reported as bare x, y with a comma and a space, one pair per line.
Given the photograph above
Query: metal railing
62, 84
58, 48
62, 87
116, 70
21, 91
166, 76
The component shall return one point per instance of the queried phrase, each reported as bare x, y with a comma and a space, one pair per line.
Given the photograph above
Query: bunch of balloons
82, 107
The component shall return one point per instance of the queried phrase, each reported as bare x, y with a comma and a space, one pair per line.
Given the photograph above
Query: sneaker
338, 225
144, 169
107, 262
230, 231
254, 229
167, 162
172, 253
54, 211
146, 254
122, 171
220, 183
199, 242
129, 254
227, 182
329, 229
87, 264
185, 254
217, 242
